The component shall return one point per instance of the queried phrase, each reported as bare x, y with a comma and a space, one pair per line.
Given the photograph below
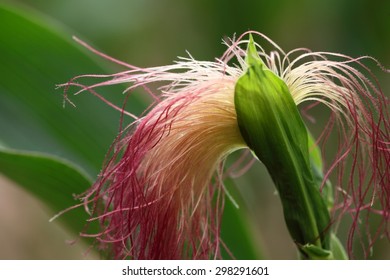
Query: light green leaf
318, 175
336, 251
316, 253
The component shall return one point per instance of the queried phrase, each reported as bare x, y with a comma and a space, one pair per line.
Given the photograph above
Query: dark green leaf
54, 181
236, 231
36, 54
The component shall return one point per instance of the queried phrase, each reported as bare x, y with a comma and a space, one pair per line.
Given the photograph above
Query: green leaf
315, 153
37, 54
318, 175
337, 248
316, 253
270, 124
54, 181
236, 232
336, 251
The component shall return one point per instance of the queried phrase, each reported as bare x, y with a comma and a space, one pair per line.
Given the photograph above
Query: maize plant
160, 193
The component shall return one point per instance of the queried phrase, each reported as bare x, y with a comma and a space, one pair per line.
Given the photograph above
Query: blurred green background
149, 33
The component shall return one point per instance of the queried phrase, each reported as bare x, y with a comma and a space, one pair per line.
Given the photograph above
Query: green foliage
318, 176
35, 56
54, 181
235, 228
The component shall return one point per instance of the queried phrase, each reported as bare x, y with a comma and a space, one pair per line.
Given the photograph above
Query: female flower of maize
160, 194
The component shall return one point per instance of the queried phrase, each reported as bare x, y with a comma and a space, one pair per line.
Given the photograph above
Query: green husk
272, 127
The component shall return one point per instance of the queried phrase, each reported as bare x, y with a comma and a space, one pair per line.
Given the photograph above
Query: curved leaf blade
36, 54
54, 181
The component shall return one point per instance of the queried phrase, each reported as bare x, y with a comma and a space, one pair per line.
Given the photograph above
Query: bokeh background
155, 32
